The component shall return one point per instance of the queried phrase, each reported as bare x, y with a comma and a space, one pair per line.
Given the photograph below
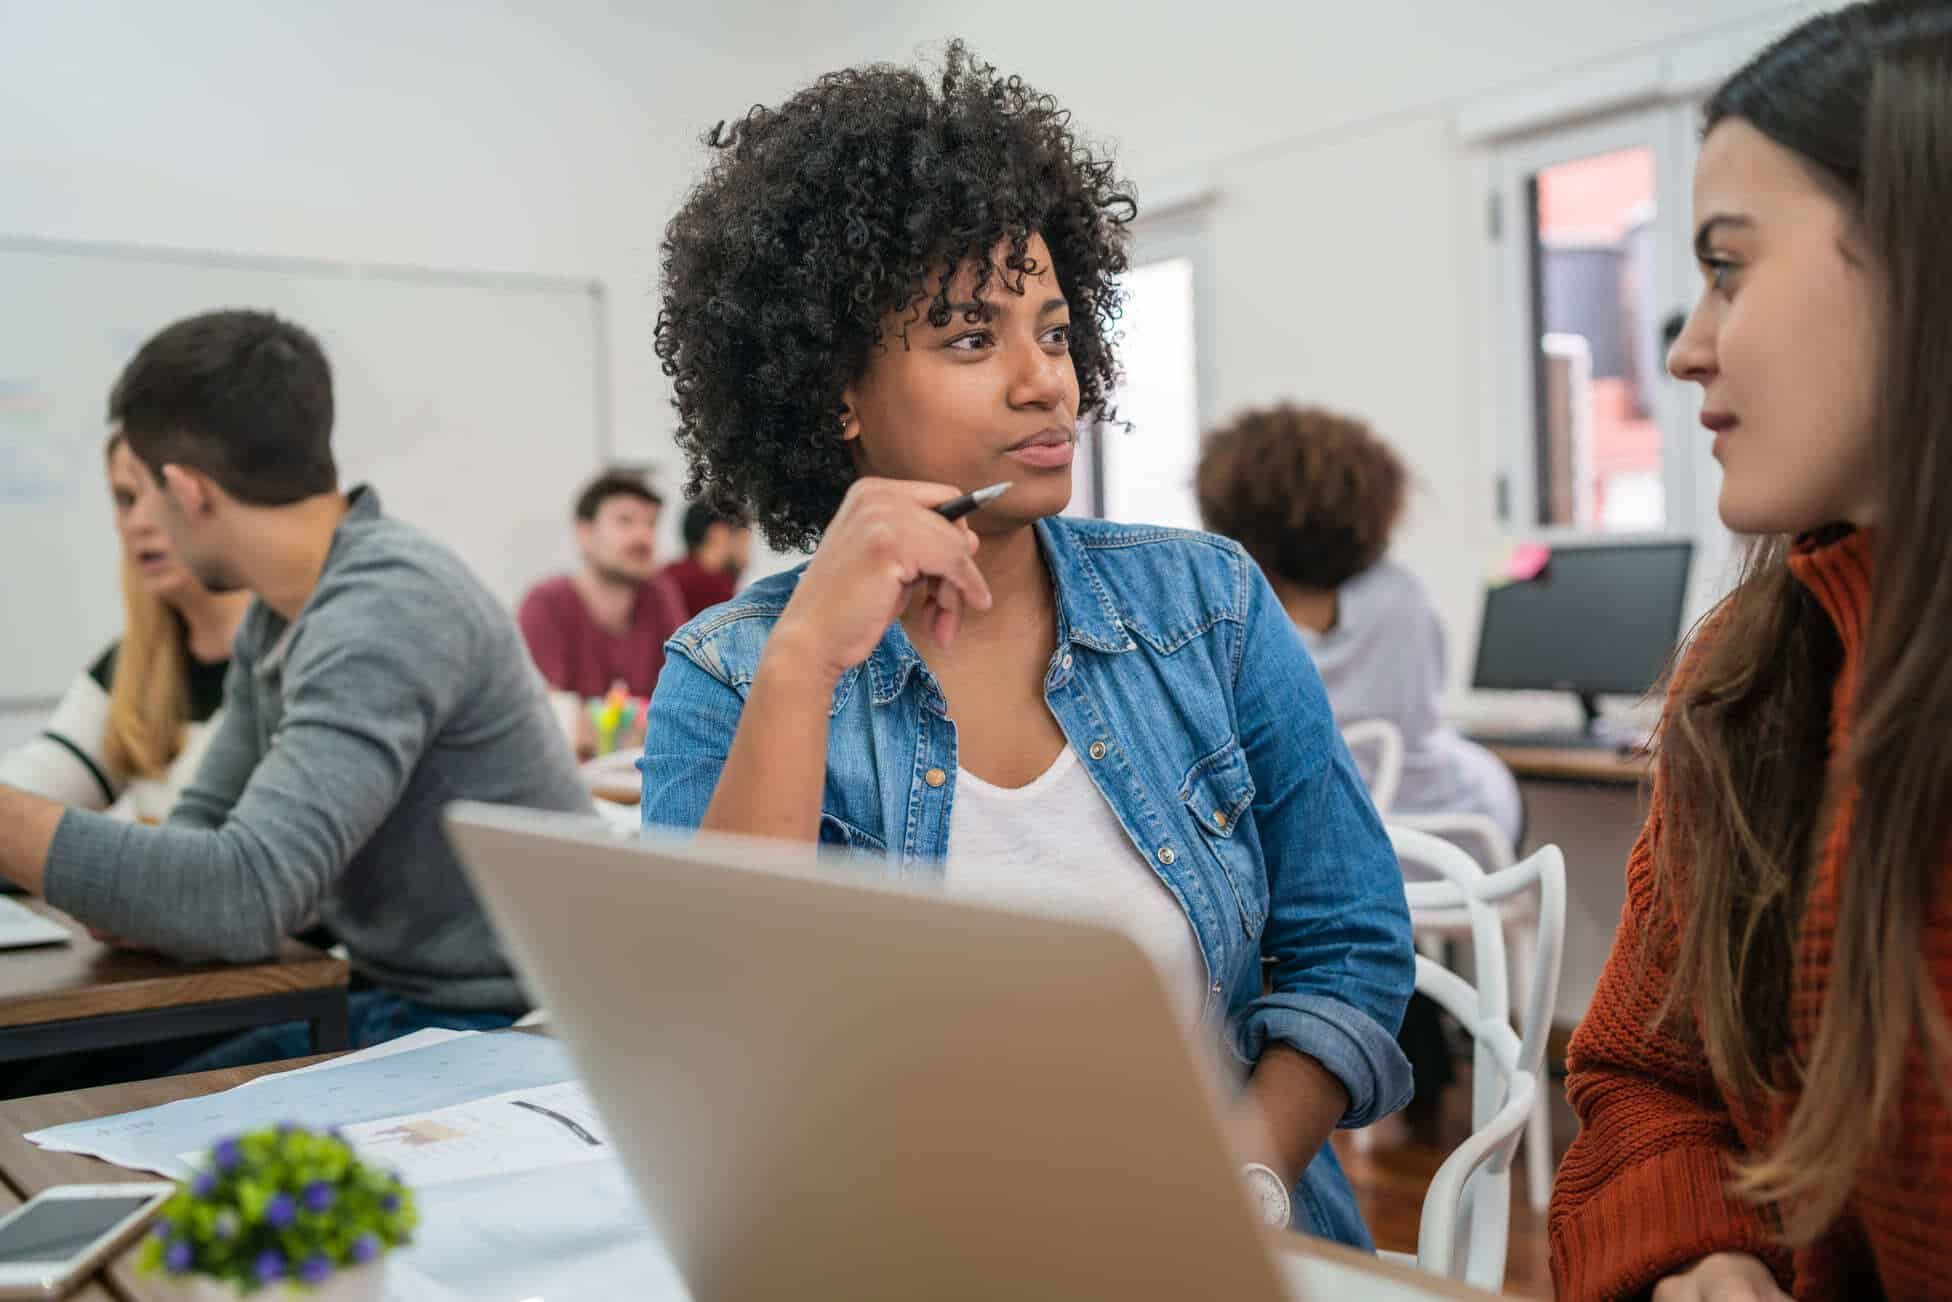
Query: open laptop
22, 928
827, 1084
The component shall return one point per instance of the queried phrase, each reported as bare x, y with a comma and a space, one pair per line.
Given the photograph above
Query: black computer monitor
1600, 618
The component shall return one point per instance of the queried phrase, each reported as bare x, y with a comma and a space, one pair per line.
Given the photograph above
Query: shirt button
1220, 820
1067, 662
1098, 750
1166, 855
935, 777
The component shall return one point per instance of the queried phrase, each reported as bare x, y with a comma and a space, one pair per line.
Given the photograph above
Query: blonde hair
149, 696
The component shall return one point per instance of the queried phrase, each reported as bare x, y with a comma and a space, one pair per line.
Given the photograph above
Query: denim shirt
1181, 682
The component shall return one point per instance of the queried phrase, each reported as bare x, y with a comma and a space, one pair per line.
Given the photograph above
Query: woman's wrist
1296, 1103
792, 662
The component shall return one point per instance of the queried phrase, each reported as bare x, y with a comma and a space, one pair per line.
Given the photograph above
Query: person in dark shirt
717, 550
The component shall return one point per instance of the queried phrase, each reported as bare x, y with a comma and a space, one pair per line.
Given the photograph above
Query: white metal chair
1465, 1225
1486, 843
1376, 745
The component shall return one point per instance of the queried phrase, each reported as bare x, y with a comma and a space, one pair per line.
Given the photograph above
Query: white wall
493, 135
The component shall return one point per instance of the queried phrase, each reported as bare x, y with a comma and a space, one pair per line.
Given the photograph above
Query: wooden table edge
189, 988
1558, 764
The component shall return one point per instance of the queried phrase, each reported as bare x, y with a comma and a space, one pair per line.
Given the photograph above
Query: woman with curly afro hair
887, 291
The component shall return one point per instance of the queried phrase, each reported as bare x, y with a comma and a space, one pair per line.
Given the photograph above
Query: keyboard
22, 928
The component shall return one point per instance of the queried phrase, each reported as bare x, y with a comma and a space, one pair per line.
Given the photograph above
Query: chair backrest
1377, 747
1467, 1210
1475, 834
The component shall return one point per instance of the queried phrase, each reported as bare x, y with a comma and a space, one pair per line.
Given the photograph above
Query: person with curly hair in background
1314, 496
891, 289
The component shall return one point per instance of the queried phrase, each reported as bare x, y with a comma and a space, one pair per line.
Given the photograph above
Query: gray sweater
401, 686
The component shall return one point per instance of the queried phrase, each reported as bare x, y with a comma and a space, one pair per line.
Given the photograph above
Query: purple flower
289, 1127
270, 1266
280, 1212
315, 1269
204, 1184
319, 1196
161, 1230
365, 1248
178, 1256
390, 1203
227, 1155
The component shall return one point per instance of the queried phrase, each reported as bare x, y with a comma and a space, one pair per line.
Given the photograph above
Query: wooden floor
1390, 1179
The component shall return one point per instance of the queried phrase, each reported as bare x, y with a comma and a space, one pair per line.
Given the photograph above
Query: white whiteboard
475, 404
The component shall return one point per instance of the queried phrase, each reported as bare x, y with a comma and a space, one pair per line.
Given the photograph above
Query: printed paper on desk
522, 1130
405, 1044
438, 1076
568, 1234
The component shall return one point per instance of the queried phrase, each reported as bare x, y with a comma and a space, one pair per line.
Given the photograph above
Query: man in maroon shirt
717, 549
606, 623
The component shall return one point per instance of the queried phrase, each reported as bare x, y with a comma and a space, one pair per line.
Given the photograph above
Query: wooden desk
87, 995
1327, 1270
1606, 767
1589, 803
25, 1170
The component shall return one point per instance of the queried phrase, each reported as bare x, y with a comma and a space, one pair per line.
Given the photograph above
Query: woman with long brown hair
1762, 1080
129, 731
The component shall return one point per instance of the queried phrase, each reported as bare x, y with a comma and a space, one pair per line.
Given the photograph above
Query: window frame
1667, 130
1179, 229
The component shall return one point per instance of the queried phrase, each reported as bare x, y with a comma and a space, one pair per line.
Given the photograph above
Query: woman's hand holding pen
888, 545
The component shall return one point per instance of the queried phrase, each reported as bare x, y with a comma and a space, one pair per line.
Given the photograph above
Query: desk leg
331, 1029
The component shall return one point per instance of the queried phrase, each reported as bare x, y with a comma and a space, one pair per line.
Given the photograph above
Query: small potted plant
285, 1213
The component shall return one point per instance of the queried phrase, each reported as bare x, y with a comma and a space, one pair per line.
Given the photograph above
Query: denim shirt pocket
1218, 792
835, 831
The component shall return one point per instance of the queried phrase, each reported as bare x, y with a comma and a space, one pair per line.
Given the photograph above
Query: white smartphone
63, 1234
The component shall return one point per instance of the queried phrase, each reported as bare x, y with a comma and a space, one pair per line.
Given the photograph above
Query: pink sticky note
1528, 561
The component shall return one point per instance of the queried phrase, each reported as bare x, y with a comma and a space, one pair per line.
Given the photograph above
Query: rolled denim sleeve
1338, 928
694, 715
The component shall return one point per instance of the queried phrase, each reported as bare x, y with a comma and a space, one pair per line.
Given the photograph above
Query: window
1590, 248
1140, 468
1597, 446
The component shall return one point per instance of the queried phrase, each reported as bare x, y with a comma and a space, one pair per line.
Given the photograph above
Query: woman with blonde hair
130, 730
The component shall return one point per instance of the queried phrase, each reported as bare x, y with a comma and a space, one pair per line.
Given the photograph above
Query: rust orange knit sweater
1641, 1193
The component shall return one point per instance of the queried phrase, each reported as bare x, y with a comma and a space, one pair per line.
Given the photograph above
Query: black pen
957, 507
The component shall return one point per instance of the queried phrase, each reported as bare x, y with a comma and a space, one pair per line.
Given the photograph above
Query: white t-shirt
1056, 845
68, 761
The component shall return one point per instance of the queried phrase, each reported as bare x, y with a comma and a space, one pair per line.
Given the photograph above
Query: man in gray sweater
374, 680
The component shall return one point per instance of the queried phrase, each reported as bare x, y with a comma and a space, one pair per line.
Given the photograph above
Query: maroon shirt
576, 654
701, 588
